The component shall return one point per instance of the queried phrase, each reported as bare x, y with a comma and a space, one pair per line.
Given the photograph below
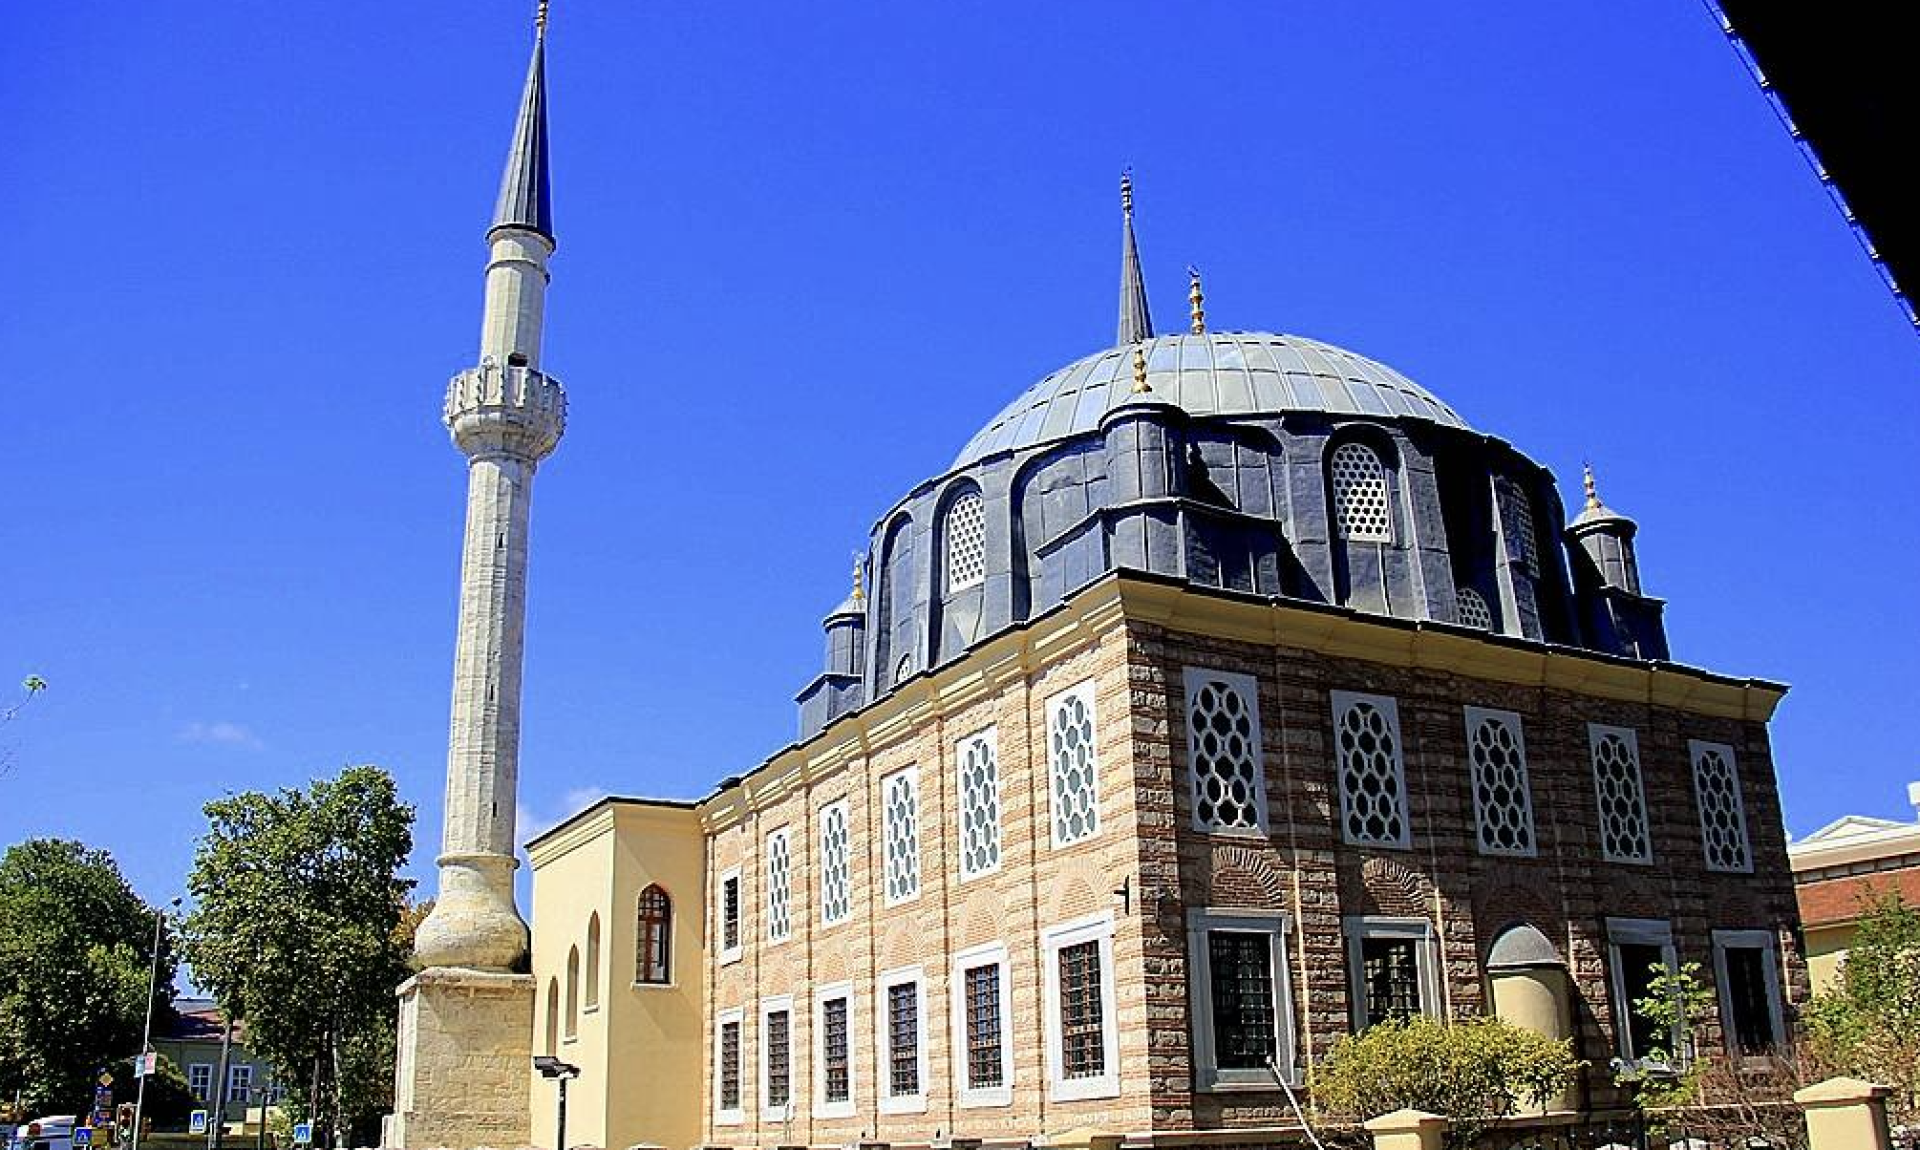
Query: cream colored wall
573, 876
1826, 946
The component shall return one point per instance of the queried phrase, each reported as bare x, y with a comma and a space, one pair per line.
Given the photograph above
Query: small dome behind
1521, 946
1219, 373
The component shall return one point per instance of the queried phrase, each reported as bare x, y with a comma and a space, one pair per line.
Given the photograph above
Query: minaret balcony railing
518, 410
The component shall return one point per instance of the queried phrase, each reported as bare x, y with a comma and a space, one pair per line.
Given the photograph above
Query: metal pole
560, 1142
217, 1128
146, 1032
266, 1092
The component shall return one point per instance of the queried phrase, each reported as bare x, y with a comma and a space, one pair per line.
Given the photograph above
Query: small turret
1606, 577
837, 689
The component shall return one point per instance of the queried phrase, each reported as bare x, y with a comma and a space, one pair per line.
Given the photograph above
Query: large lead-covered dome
1218, 373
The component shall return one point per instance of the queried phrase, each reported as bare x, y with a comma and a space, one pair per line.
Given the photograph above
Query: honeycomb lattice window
1518, 518
1723, 816
1360, 507
1373, 779
1624, 833
900, 802
1502, 805
836, 885
779, 886
966, 532
1223, 751
1471, 609
979, 805
1076, 796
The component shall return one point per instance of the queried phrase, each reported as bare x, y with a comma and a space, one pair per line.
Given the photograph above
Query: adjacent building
194, 1043
1841, 869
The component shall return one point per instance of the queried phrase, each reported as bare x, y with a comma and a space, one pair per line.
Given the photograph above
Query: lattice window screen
1373, 781
1723, 816
900, 799
779, 886
1360, 507
1223, 751
1624, 833
966, 532
1502, 804
979, 805
1518, 517
836, 893
1472, 610
1076, 798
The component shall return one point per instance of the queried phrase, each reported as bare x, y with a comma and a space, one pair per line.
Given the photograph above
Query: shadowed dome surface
1219, 373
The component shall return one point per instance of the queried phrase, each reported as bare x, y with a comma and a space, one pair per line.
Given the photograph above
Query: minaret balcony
496, 409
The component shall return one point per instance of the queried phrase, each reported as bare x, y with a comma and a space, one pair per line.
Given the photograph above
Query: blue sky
805, 251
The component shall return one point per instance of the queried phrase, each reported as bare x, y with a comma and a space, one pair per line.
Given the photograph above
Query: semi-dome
1218, 373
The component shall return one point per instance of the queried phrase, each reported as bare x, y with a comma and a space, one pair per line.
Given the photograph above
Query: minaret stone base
463, 1070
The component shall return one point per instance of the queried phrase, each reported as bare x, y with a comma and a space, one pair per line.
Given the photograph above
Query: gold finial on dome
859, 570
1593, 492
1195, 299
1140, 368
540, 21
1126, 192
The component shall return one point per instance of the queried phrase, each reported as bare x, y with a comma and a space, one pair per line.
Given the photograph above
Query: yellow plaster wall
1826, 946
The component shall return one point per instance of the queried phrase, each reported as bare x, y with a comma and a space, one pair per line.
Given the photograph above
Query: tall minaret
506, 415
466, 1019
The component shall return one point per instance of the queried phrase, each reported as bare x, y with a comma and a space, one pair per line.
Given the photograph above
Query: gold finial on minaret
1593, 493
1140, 368
1126, 192
859, 570
1195, 299
540, 21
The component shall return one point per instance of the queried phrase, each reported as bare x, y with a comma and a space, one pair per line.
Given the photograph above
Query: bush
1472, 1071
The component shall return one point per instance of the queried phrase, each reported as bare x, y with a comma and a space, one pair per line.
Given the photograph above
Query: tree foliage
1868, 1024
1472, 1071
296, 929
76, 949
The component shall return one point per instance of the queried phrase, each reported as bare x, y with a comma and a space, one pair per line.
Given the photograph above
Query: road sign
144, 1064
303, 1133
106, 1079
83, 1135
197, 1122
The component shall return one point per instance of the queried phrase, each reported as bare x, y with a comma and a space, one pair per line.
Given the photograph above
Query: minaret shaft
514, 318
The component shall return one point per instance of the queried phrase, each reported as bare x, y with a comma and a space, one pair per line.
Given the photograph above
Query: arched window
1472, 610
656, 936
1361, 512
573, 994
966, 534
593, 962
553, 1015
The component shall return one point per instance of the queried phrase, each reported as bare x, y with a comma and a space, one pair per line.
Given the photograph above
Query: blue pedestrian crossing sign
83, 1135
197, 1122
303, 1133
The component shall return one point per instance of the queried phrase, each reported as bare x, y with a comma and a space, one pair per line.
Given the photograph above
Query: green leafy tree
76, 950
296, 928
1677, 1006
1868, 1023
1473, 1071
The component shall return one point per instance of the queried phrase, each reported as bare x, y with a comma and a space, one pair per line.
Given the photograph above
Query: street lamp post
551, 1067
146, 1033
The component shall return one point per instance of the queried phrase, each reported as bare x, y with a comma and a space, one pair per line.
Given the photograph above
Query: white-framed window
900, 829
1637, 950
1072, 766
1083, 1047
239, 1081
779, 885
979, 764
966, 532
1502, 798
1227, 783
1361, 511
729, 1103
727, 914
1622, 798
1392, 969
982, 1027
1746, 972
900, 1040
1373, 773
836, 863
833, 1063
1723, 814
776, 1058
1242, 1005
1470, 608
200, 1080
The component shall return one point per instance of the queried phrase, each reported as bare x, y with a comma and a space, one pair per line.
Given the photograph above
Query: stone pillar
1406, 1130
1846, 1114
464, 1060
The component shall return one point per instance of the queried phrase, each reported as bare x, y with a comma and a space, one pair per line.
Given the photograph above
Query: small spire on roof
526, 193
540, 21
1593, 493
1136, 323
1140, 369
859, 569
1195, 300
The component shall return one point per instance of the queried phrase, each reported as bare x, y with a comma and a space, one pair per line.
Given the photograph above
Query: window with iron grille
655, 929
1470, 608
730, 1065
779, 1037
1240, 980
903, 1039
1390, 977
979, 805
1083, 1047
730, 913
1517, 518
1502, 805
1640, 964
1360, 509
836, 882
1723, 816
985, 1058
1748, 977
1373, 779
1223, 751
779, 886
900, 802
1624, 834
1076, 798
966, 531
837, 1083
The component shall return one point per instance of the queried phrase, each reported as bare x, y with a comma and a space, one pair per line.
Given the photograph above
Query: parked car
51, 1133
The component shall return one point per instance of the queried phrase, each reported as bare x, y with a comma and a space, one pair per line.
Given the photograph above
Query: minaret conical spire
526, 194
1136, 323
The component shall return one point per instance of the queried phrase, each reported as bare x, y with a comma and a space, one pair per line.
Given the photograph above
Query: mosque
1225, 694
